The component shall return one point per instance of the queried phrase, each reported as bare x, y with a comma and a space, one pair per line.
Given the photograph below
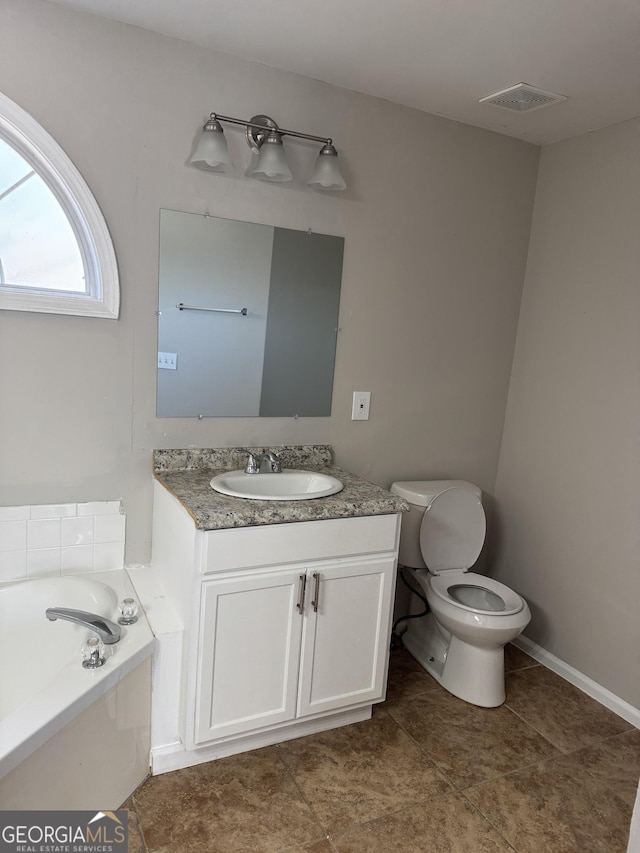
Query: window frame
102, 297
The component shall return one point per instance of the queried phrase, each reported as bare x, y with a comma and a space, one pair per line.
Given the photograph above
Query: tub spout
107, 630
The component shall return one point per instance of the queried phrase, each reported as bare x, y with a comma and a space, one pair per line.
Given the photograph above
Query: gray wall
568, 486
435, 252
435, 248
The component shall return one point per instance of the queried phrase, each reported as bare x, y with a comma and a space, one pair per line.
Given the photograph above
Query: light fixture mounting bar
271, 129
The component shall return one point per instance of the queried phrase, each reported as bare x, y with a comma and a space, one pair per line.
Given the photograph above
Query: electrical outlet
360, 407
167, 361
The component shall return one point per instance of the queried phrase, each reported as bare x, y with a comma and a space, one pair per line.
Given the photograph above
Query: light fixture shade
272, 163
327, 174
211, 151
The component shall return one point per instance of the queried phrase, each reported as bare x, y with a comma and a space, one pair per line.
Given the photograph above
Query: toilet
461, 641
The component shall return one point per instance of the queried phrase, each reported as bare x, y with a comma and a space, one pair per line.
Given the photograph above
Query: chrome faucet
107, 630
270, 463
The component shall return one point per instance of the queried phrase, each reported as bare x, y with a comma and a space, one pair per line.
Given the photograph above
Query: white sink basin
289, 485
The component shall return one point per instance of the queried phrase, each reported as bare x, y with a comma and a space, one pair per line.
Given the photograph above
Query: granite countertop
186, 474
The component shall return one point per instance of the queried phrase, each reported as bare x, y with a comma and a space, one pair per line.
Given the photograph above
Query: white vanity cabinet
286, 626
280, 644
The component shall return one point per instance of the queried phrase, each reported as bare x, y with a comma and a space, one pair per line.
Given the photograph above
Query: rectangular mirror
248, 318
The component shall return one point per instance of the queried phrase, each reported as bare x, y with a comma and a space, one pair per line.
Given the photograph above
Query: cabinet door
250, 631
345, 643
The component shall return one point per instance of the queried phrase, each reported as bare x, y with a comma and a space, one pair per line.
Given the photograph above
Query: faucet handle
93, 653
252, 466
270, 462
128, 608
276, 463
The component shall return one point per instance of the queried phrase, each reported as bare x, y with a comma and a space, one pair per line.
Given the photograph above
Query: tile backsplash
59, 539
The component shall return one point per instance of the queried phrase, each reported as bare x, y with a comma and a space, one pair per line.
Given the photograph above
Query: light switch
168, 360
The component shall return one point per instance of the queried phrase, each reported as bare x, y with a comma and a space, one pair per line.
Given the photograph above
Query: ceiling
439, 56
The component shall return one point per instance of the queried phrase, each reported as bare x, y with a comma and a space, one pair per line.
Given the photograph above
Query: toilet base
473, 674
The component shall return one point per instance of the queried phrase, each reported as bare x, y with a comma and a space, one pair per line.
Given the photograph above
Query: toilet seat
451, 539
476, 590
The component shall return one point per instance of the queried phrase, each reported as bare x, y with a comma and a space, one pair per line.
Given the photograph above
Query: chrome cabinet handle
316, 592
303, 586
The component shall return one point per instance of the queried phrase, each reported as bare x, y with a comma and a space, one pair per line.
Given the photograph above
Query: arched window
56, 253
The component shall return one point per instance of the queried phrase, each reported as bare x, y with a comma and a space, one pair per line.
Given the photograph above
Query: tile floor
551, 771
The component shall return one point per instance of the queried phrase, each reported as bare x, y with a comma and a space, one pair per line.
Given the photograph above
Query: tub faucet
107, 630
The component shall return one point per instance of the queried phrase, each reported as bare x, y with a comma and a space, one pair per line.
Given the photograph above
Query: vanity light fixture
264, 137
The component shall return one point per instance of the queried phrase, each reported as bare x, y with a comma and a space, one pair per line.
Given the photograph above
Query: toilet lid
453, 530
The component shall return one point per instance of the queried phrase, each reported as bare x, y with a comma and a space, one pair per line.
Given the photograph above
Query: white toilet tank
419, 494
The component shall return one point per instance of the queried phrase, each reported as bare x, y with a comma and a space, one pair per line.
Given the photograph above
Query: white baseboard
587, 685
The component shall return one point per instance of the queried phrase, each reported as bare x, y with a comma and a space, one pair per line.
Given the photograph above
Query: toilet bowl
461, 641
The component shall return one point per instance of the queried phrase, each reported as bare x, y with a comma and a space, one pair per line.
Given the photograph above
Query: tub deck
44, 686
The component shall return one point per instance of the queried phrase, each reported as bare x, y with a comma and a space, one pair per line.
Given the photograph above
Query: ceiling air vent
522, 98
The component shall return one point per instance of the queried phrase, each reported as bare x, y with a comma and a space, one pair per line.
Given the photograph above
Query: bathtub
53, 711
